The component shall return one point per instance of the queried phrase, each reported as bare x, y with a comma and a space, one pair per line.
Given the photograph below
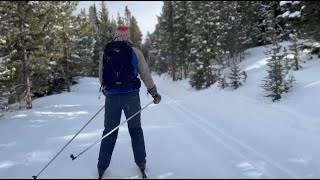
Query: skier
118, 74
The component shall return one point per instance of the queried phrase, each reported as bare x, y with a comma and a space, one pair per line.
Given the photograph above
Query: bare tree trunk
184, 58
173, 61
25, 72
28, 98
66, 59
27, 80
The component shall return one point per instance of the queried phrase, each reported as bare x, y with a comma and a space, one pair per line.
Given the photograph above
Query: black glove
155, 95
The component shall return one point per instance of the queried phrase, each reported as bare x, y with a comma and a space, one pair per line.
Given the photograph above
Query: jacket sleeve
144, 70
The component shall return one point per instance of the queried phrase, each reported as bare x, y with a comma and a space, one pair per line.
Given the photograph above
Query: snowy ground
191, 134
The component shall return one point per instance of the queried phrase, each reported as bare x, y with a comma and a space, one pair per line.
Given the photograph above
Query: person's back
118, 74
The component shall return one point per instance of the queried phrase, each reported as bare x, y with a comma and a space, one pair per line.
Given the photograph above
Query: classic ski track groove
226, 140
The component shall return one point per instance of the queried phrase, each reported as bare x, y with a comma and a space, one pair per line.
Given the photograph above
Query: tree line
199, 39
44, 45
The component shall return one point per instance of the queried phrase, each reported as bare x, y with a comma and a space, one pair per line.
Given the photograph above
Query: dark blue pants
130, 104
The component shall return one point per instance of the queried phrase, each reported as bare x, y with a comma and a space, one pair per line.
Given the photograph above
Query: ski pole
35, 177
74, 157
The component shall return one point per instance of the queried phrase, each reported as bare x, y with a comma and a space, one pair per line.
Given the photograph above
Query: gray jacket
143, 70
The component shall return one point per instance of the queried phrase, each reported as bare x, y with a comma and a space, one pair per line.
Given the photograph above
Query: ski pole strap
74, 157
35, 177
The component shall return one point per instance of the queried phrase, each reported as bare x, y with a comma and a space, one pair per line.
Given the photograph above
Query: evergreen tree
105, 29
222, 82
135, 33
113, 24
235, 77
127, 16
288, 76
96, 43
120, 21
81, 55
146, 48
289, 81
270, 11
159, 64
93, 18
63, 42
274, 82
290, 17
310, 26
16, 21
250, 17
286, 61
206, 44
294, 48
168, 44
182, 36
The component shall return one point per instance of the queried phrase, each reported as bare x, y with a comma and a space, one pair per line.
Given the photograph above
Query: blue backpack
120, 67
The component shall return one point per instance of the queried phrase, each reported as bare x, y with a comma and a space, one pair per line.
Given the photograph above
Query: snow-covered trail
254, 144
211, 133
207, 134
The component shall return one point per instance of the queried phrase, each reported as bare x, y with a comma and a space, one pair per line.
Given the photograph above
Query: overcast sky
144, 11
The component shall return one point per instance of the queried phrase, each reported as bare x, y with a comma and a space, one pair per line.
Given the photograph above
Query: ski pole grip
34, 177
72, 157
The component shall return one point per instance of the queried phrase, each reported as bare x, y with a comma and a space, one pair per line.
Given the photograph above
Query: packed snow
211, 133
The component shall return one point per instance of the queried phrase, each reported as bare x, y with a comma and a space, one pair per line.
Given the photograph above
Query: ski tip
34, 177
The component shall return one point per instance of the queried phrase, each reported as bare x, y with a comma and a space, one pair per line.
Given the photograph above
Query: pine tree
3, 86
15, 20
235, 77
286, 61
182, 37
127, 16
120, 21
82, 40
205, 49
222, 82
113, 24
234, 34
270, 9
105, 29
93, 18
159, 63
274, 82
146, 48
168, 31
288, 76
289, 81
64, 33
96, 44
250, 17
135, 33
41, 46
294, 48
310, 11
